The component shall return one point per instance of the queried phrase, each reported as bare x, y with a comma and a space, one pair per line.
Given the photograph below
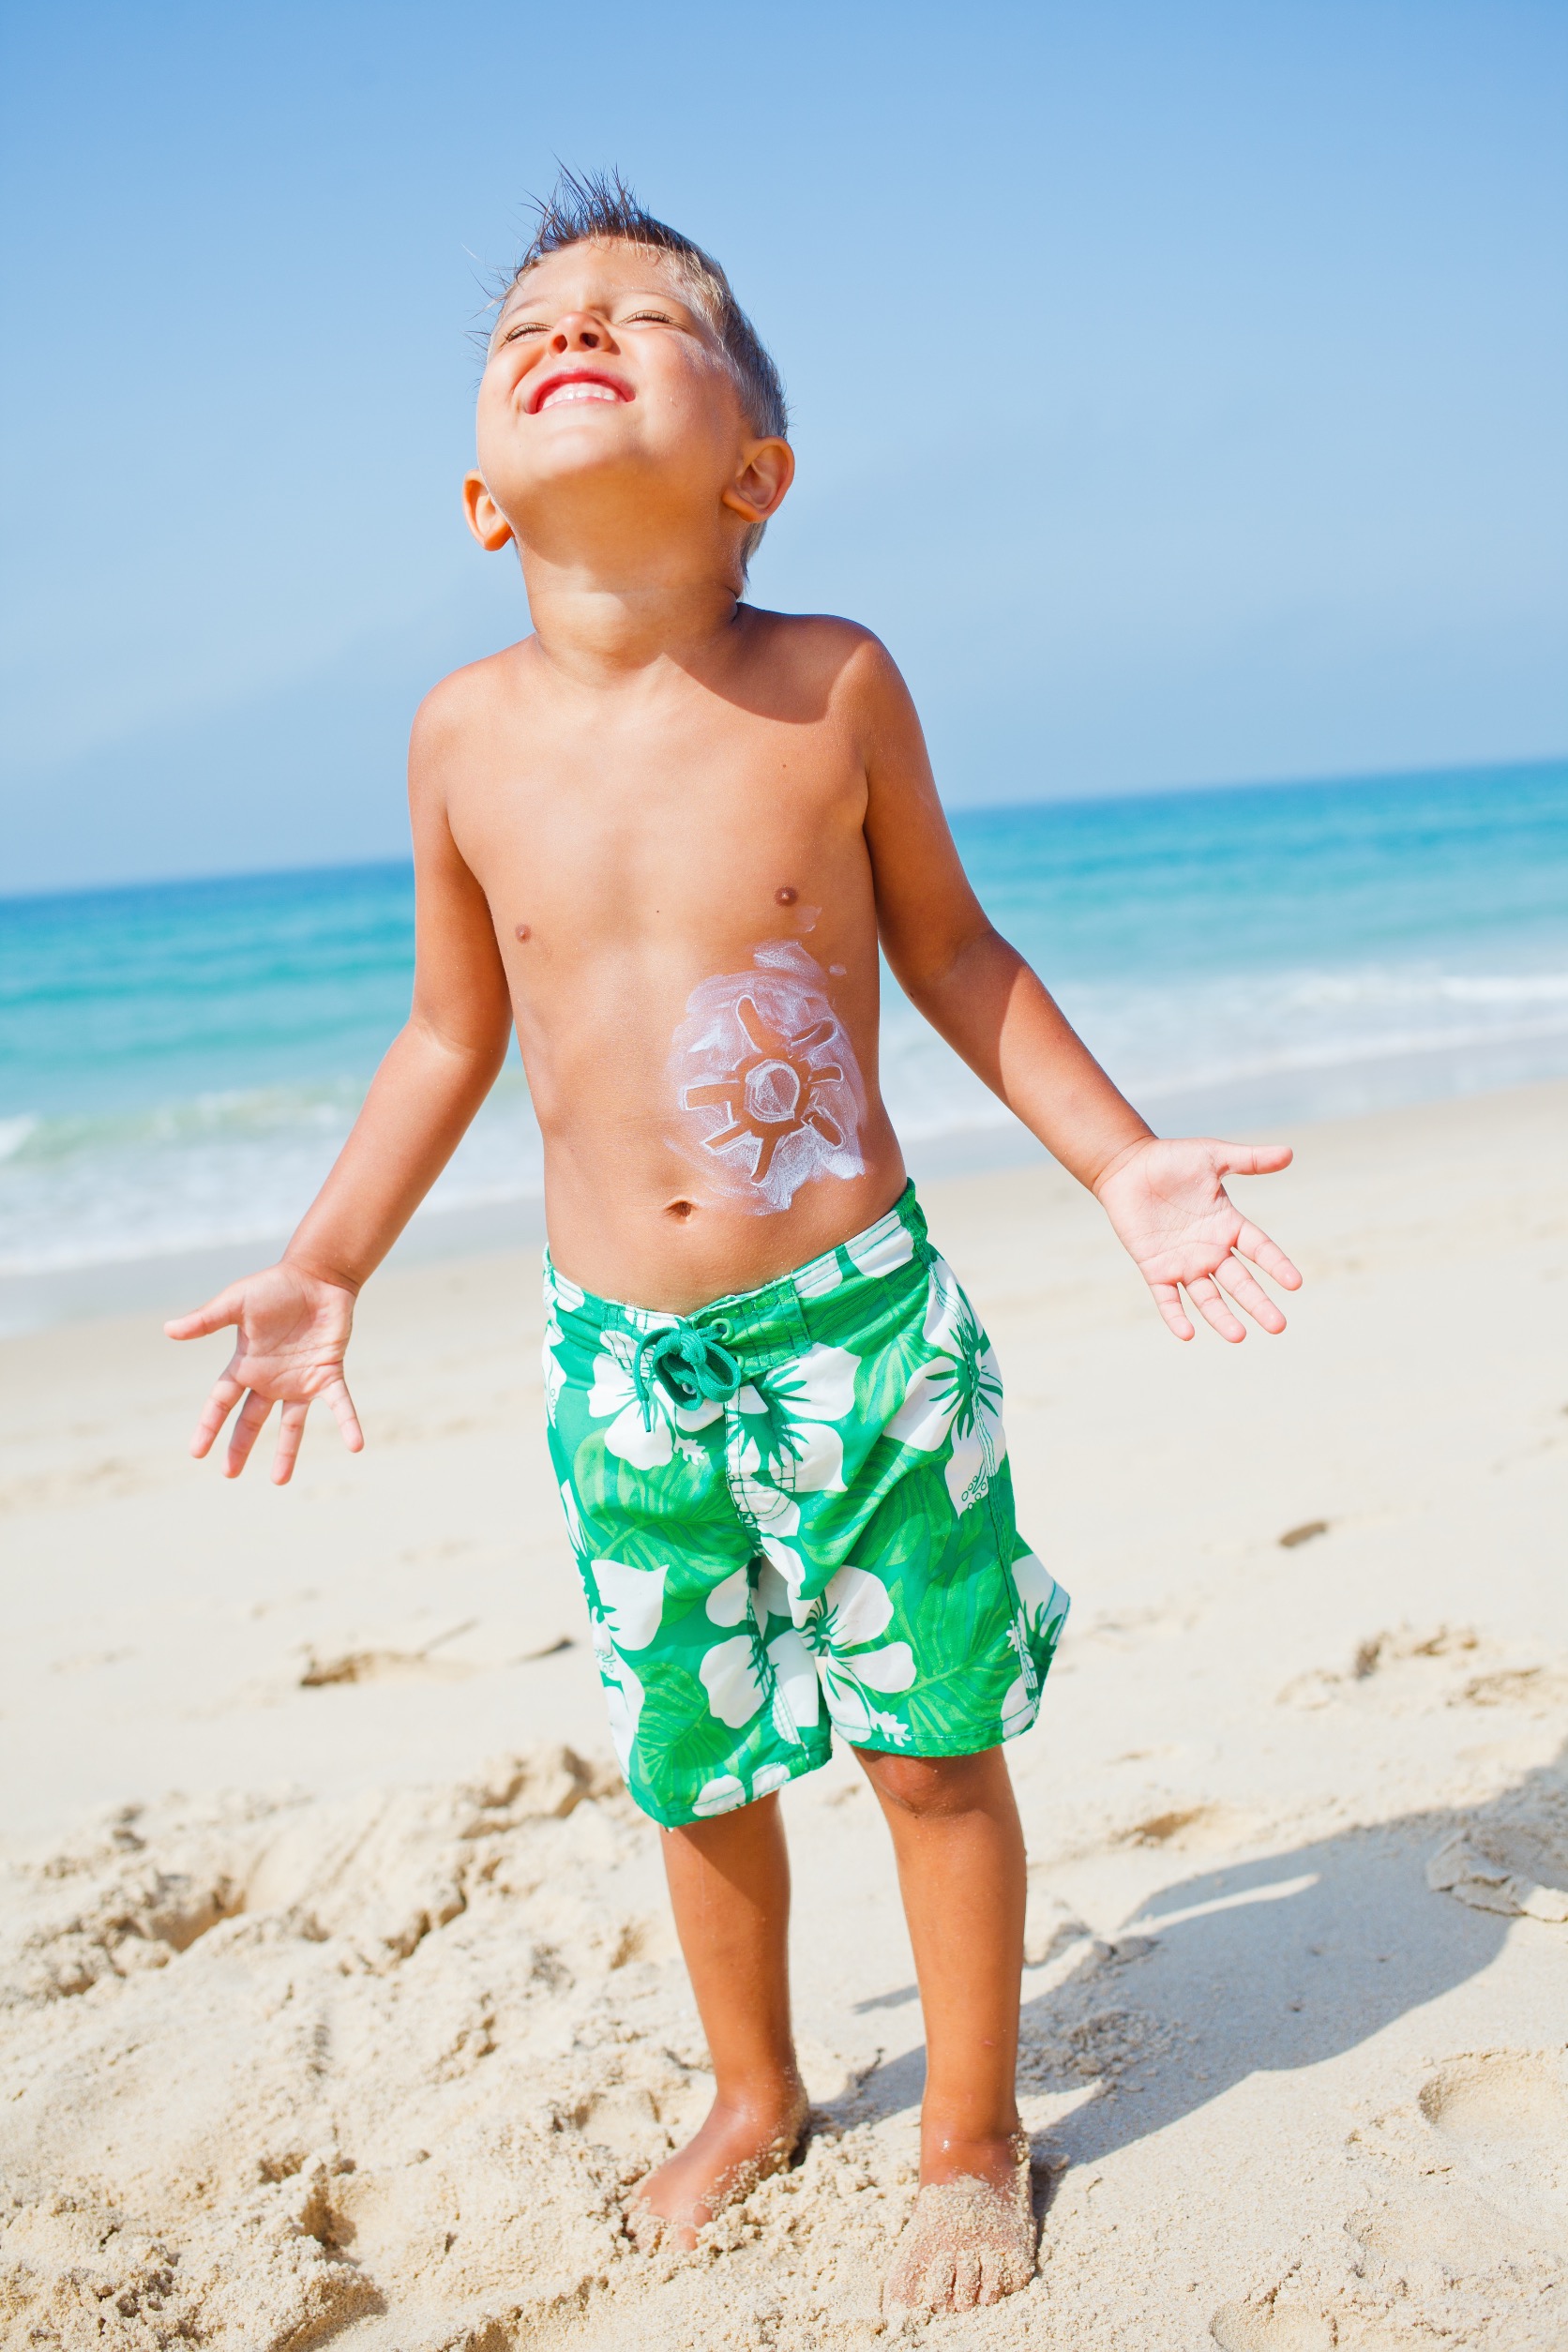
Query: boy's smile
575, 383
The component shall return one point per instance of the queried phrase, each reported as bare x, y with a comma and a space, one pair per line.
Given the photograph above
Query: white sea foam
220, 1169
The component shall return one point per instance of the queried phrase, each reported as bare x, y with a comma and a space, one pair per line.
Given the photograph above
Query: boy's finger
217, 1314
1252, 1242
225, 1395
291, 1429
247, 1429
1254, 1159
1167, 1298
347, 1419
1205, 1296
1249, 1295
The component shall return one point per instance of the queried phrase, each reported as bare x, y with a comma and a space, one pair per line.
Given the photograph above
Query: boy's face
606, 397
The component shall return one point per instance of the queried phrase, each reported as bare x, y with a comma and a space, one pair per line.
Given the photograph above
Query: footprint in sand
1393, 1668
1504, 2114
1463, 2236
1269, 2327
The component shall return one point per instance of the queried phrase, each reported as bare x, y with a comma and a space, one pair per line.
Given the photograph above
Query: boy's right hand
293, 1330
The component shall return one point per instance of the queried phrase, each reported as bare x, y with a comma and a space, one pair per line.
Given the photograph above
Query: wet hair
597, 206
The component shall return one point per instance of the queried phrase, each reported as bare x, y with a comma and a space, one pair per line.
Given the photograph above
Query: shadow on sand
1259, 1967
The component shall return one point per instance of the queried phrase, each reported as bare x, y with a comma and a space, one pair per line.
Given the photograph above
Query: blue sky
1181, 390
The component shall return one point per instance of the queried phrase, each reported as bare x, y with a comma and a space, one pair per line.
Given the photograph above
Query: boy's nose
581, 332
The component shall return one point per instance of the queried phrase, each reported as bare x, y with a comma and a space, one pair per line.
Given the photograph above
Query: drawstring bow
689, 1366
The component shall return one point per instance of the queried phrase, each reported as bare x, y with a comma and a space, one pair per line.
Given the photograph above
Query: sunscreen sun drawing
767, 1075
775, 1092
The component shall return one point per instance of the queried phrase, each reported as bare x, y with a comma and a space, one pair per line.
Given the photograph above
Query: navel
679, 1208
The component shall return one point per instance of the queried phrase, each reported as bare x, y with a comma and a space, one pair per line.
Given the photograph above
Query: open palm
292, 1331
1169, 1205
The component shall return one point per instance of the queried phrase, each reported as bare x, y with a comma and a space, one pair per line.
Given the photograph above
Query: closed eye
524, 326
644, 317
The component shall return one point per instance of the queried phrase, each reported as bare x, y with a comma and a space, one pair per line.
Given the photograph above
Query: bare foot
971, 2239
735, 2148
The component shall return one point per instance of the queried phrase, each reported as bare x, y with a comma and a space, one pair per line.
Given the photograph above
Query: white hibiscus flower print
729, 1602
555, 1377
846, 1619
803, 1400
957, 1389
882, 1248
624, 1616
729, 1677
798, 1691
631, 1601
613, 1397
1042, 1607
623, 1694
785, 1442
721, 1795
740, 1676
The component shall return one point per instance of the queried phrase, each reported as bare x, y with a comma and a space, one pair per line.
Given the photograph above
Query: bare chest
672, 833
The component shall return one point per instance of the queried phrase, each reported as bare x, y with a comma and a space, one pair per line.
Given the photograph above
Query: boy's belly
706, 1139
628, 1225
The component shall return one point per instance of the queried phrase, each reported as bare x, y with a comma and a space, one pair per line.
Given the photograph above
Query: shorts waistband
758, 1316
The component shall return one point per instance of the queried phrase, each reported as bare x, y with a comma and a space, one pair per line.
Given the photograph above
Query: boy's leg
960, 1855
730, 1885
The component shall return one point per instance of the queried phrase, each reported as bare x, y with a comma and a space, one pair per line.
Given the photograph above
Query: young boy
664, 835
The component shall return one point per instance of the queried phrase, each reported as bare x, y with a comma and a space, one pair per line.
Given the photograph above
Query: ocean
180, 1061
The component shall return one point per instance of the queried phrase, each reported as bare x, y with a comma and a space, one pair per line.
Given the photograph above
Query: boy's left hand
1171, 1211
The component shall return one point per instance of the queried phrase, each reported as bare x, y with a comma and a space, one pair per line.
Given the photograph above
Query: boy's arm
294, 1319
1165, 1199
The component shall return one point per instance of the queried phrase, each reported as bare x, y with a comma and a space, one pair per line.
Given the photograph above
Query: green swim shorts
793, 1516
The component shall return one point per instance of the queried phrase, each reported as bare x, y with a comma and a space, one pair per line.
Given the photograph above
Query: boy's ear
765, 474
486, 520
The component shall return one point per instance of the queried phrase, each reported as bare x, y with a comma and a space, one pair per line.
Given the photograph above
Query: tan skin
631, 800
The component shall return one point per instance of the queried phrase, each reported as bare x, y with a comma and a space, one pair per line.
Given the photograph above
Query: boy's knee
929, 1787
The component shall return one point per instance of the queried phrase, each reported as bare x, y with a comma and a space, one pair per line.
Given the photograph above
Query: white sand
359, 2039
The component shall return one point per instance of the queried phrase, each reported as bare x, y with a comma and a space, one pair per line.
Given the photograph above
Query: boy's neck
599, 628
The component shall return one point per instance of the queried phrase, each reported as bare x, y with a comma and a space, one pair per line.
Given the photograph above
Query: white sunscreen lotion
770, 1092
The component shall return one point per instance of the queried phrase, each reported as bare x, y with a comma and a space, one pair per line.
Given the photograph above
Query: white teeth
577, 392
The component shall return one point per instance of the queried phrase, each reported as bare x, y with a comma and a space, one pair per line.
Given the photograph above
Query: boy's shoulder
819, 654
455, 702
813, 636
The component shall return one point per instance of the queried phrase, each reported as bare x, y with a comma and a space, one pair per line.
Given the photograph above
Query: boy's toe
942, 2286
922, 2285
992, 2285
966, 2279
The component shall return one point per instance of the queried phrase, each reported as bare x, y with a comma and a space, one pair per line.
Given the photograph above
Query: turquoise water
178, 1062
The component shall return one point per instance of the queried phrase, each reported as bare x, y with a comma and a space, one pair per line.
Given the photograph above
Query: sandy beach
339, 2004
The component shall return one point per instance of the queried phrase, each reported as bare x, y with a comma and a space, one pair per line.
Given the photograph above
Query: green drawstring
690, 1365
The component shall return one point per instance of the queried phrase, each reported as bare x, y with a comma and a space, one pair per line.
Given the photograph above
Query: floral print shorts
793, 1516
